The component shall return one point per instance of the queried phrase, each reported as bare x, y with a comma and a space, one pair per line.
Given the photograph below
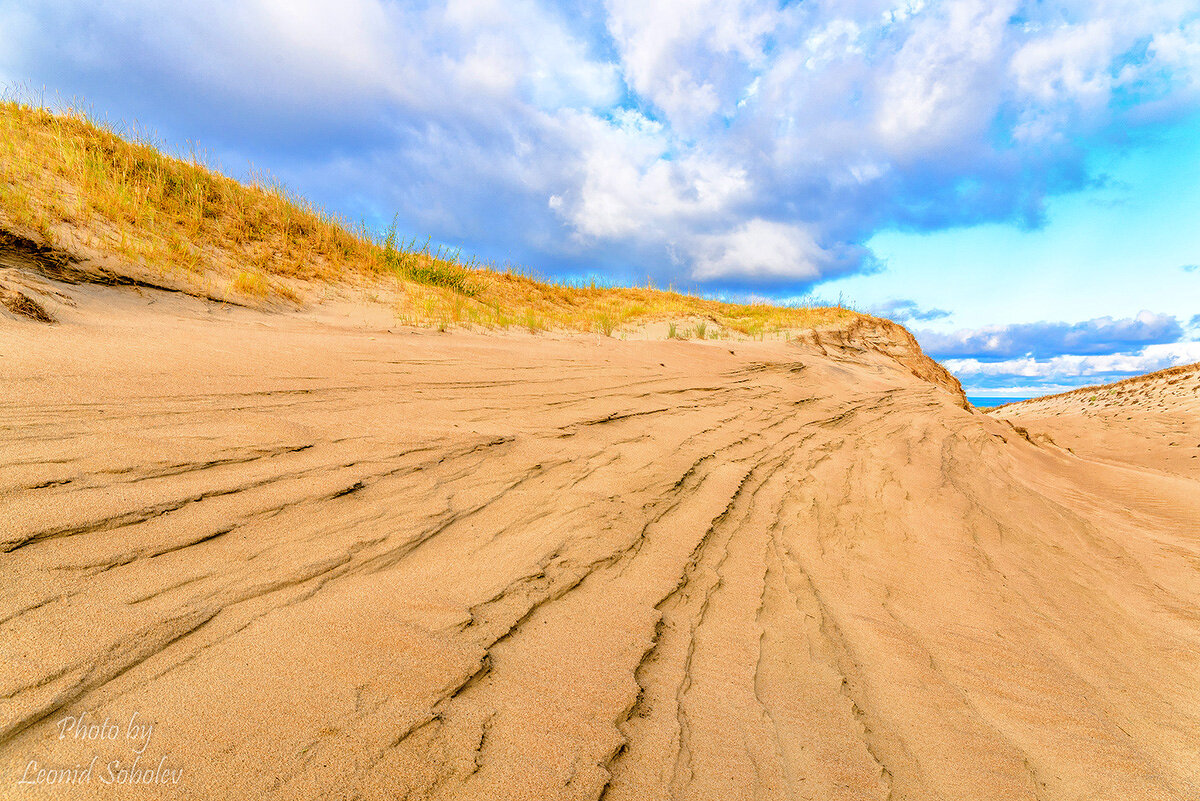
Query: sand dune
328, 559
1149, 420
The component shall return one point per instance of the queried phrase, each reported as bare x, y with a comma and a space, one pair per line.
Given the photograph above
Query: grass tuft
252, 284
605, 324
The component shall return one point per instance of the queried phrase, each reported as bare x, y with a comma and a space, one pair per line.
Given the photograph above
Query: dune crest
328, 559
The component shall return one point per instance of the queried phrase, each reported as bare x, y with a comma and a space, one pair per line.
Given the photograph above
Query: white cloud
517, 46
760, 249
938, 89
1179, 48
1151, 358
835, 40
1071, 64
307, 55
902, 12
690, 58
1176, 52
632, 187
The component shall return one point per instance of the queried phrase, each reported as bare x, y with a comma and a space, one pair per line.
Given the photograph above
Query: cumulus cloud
1049, 356
904, 310
1102, 335
762, 250
1071, 370
728, 143
691, 59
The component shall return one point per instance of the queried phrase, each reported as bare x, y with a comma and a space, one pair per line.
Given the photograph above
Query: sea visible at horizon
987, 401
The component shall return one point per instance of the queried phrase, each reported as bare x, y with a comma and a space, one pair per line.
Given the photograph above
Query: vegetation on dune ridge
79, 185
1125, 384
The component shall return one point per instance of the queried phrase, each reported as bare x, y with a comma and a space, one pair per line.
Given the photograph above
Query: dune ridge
1147, 420
83, 199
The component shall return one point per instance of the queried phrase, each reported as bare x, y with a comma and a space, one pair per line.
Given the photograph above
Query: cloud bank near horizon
1050, 356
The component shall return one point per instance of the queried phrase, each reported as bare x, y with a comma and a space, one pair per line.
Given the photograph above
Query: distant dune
284, 547
1148, 420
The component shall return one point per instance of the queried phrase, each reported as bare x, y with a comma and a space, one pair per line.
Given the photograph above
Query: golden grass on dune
76, 184
1093, 392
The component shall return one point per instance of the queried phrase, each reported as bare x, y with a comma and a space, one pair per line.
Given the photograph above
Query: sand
302, 555
1148, 421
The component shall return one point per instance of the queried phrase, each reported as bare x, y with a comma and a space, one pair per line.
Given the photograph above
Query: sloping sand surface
324, 559
1149, 421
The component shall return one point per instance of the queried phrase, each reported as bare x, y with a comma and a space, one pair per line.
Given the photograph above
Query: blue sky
1018, 182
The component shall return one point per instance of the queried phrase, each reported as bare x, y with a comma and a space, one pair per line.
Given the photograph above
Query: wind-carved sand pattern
327, 560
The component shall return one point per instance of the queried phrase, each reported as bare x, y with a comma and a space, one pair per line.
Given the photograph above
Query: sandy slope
1149, 421
328, 560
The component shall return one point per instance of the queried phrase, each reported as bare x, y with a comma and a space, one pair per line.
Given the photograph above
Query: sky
1016, 182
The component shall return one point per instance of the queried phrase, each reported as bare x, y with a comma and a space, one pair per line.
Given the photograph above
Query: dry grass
1123, 385
20, 304
251, 284
79, 185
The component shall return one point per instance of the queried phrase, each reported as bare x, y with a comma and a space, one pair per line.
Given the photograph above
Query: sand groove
328, 560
